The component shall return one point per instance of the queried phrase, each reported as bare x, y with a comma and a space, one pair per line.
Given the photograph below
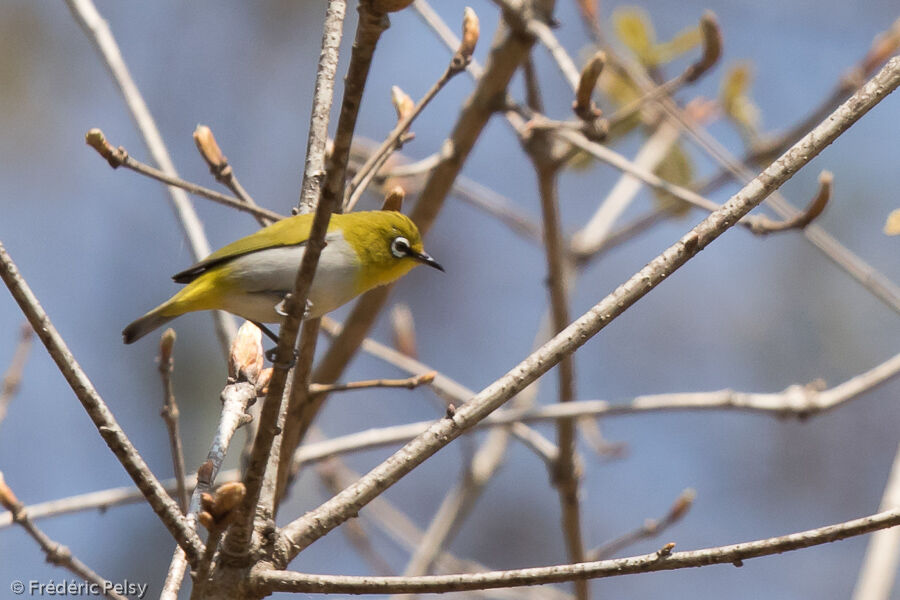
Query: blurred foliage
736, 102
675, 168
634, 28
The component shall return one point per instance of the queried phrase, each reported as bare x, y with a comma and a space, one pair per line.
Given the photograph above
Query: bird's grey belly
266, 276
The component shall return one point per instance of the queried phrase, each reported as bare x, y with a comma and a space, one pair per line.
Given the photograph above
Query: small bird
251, 277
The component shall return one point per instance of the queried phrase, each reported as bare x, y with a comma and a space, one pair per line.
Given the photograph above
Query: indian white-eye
250, 277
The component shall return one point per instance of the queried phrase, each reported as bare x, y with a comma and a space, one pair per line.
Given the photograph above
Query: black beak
425, 259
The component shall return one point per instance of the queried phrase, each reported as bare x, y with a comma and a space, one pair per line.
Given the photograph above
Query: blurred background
98, 246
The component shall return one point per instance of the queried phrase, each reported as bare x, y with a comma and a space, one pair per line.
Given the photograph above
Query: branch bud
96, 140
403, 104
470, 33
209, 150
712, 47
394, 199
583, 106
246, 358
8, 499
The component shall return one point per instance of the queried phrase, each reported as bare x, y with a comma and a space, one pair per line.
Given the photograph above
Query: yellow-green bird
250, 277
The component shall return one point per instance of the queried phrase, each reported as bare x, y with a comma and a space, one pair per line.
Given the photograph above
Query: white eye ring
400, 247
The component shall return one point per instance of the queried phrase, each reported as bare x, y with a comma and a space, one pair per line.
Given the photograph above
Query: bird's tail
153, 319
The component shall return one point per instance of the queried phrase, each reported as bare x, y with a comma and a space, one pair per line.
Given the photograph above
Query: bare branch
165, 508
394, 140
650, 528
245, 361
409, 383
313, 196
119, 157
57, 554
221, 169
267, 581
13, 377
316, 523
804, 218
712, 50
98, 32
170, 414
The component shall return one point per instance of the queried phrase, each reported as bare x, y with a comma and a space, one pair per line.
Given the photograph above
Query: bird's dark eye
400, 247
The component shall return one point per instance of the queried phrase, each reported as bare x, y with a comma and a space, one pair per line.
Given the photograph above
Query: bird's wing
292, 231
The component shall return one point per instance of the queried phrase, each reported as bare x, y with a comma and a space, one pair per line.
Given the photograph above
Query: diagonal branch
98, 32
163, 505
318, 522
57, 554
237, 540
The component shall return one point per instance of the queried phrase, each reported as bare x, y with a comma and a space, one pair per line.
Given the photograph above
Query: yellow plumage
251, 276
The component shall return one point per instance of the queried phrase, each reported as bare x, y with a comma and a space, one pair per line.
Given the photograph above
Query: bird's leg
266, 331
280, 307
270, 354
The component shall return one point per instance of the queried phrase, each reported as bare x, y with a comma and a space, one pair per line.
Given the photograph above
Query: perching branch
237, 540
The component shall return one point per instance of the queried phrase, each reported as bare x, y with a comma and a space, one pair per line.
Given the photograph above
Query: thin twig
649, 529
13, 377
394, 140
245, 363
712, 50
57, 554
797, 401
507, 53
165, 508
98, 32
409, 383
119, 157
566, 471
806, 216
471, 192
170, 414
318, 522
872, 280
221, 169
266, 581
